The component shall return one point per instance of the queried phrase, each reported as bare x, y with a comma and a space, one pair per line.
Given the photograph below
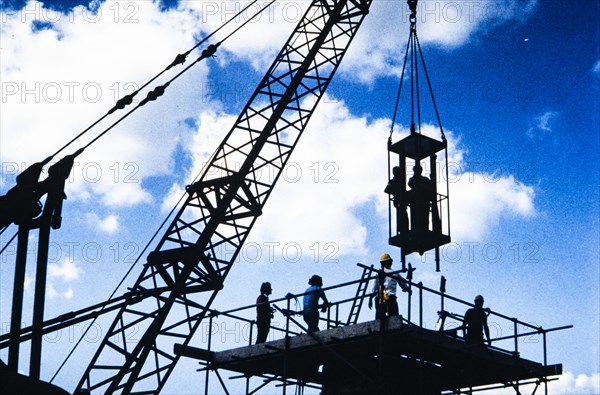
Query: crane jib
223, 206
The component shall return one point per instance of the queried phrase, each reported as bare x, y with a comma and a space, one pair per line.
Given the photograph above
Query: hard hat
385, 257
479, 298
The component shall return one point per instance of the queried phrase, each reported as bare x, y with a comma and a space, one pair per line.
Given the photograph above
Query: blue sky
517, 85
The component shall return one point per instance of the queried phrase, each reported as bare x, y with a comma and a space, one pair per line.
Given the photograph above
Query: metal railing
244, 321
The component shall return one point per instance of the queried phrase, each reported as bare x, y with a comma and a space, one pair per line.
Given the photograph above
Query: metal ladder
360, 296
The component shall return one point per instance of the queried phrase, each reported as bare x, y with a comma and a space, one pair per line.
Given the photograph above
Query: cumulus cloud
63, 273
67, 271
109, 225
542, 125
53, 293
596, 69
567, 384
570, 383
59, 79
62, 71
380, 44
339, 168
29, 281
377, 48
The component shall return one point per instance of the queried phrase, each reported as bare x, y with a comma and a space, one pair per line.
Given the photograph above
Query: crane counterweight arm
200, 246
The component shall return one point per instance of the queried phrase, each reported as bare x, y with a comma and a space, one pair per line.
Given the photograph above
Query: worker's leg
312, 320
392, 306
263, 331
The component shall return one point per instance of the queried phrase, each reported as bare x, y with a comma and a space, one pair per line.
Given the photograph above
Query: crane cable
176, 205
128, 99
160, 90
415, 53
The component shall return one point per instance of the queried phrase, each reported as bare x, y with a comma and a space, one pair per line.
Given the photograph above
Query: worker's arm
325, 302
486, 329
373, 293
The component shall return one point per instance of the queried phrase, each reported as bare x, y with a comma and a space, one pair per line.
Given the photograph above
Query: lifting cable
416, 53
179, 59
160, 90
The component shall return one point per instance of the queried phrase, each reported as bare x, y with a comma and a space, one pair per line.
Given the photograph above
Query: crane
185, 272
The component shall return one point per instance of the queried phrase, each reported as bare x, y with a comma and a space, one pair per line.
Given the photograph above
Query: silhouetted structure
424, 199
385, 356
264, 313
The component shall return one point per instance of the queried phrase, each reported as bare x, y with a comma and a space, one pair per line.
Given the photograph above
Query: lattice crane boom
193, 258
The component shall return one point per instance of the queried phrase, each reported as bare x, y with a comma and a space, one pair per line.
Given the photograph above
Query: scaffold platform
387, 356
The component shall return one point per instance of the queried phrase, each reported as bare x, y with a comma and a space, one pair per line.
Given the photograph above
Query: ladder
361, 291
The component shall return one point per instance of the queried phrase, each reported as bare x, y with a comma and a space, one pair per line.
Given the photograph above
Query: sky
516, 82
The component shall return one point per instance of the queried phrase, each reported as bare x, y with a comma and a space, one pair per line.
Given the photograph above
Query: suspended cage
419, 209
420, 218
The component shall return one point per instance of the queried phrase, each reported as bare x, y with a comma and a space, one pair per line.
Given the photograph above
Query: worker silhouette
384, 291
396, 189
311, 303
420, 196
264, 312
475, 323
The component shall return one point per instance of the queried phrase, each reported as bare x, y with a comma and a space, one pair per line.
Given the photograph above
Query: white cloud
340, 167
67, 271
578, 384
542, 125
68, 294
58, 81
567, 384
380, 44
260, 40
596, 68
109, 225
53, 293
479, 200
29, 281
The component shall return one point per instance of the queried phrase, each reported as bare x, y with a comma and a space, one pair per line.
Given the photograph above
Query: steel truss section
195, 255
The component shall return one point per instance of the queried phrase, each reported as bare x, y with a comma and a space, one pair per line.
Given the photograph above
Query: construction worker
396, 189
386, 304
475, 323
421, 195
264, 312
311, 303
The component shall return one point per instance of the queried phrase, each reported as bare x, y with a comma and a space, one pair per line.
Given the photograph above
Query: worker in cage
264, 312
395, 188
420, 197
312, 295
475, 323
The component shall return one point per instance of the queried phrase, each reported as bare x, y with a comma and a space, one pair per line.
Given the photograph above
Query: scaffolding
401, 354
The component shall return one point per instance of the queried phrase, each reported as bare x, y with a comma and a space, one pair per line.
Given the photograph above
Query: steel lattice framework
184, 274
